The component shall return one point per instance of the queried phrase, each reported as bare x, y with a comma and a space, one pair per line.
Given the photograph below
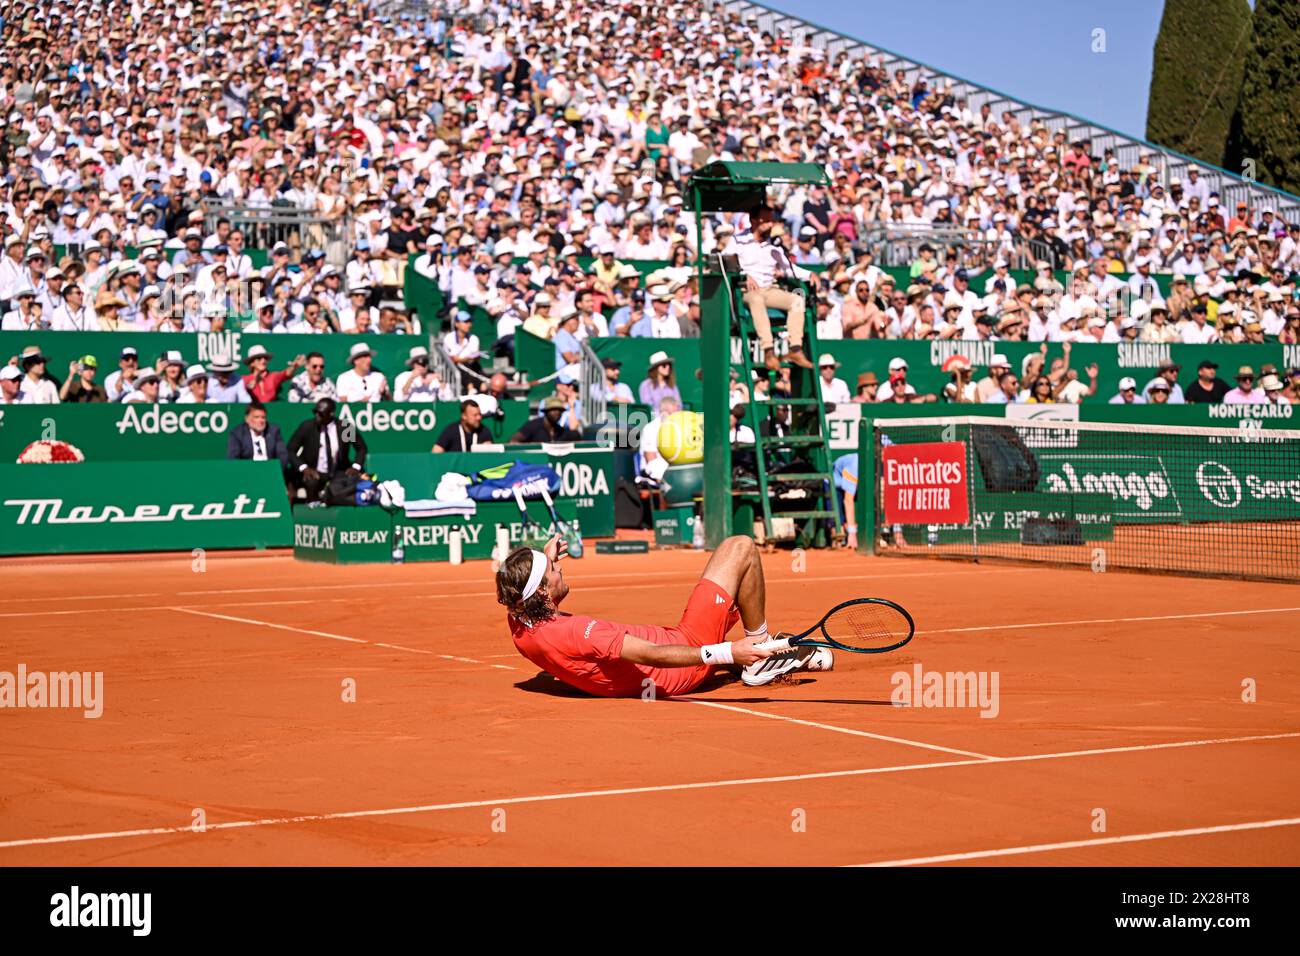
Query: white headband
535, 576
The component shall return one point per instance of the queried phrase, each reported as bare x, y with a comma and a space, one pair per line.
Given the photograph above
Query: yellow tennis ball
681, 438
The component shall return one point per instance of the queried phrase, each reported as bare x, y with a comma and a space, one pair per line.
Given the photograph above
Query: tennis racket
572, 538
532, 531
860, 626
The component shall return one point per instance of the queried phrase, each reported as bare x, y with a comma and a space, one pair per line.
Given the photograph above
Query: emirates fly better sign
925, 483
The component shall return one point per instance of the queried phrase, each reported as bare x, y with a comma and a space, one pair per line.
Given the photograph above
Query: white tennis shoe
797, 658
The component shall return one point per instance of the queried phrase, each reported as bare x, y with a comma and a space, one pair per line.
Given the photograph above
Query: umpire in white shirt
763, 263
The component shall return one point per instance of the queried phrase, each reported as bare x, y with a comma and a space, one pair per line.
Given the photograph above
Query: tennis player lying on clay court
615, 660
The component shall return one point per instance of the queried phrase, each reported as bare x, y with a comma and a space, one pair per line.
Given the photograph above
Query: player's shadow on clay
544, 683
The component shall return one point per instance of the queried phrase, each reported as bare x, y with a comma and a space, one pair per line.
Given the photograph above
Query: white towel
436, 508
451, 487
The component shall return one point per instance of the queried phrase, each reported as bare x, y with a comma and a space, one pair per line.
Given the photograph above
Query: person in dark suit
256, 439
321, 448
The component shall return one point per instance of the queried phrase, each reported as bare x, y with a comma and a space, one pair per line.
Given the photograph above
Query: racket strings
868, 626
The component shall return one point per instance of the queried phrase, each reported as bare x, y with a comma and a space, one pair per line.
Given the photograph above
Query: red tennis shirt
583, 651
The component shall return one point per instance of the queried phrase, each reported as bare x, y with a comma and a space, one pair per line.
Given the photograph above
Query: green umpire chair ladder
725, 320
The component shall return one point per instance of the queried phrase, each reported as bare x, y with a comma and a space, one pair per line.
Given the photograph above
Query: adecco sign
367, 418
159, 420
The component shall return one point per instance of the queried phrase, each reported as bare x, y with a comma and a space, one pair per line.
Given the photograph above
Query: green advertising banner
1140, 361
586, 477
925, 360
368, 535
1166, 478
428, 539
162, 506
390, 351
342, 535
1001, 517
140, 432
1158, 476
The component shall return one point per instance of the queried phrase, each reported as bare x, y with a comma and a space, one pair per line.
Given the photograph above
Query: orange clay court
223, 693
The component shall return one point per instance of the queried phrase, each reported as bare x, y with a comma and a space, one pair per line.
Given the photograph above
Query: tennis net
1208, 501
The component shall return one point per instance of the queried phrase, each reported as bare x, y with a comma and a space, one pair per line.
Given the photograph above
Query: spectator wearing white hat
897, 380
989, 386
1273, 390
358, 304
263, 317
1008, 389
37, 386
1127, 393
147, 384
195, 387
26, 314
658, 321
834, 390
224, 385
262, 383
660, 381
541, 322
1158, 329
11, 385
171, 368
361, 382
420, 383
1167, 374
805, 251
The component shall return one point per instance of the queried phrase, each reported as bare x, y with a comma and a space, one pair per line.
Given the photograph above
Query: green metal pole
864, 503
715, 361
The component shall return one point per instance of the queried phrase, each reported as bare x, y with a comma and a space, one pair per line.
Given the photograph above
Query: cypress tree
1196, 75
1269, 106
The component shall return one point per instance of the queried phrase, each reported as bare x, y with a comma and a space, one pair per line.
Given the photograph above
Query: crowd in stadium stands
1041, 382
500, 143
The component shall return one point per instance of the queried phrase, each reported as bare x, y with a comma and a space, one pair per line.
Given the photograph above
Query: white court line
689, 573
579, 580
636, 587
81, 597
838, 730
430, 597
622, 791
155, 607
336, 637
1109, 620
1100, 841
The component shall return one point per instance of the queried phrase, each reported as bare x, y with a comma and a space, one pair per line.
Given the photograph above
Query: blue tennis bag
498, 483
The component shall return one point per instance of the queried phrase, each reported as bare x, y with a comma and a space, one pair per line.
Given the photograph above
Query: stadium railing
1231, 188
591, 386
899, 244
300, 229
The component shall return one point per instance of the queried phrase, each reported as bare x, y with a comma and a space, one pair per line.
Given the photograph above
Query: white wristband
717, 653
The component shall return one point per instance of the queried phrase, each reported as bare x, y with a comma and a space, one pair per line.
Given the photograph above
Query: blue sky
1037, 52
